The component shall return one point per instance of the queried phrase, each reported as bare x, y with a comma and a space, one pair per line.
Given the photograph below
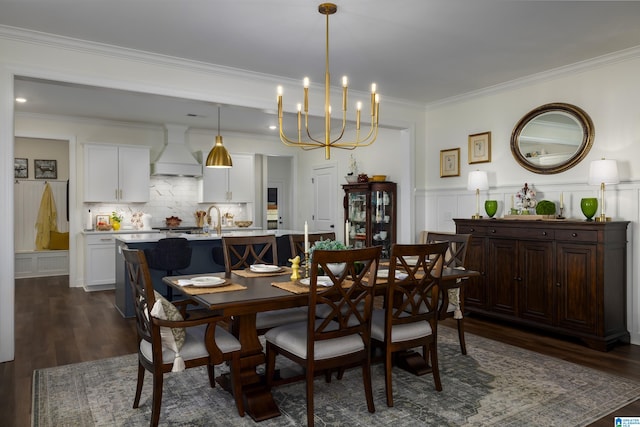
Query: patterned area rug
495, 384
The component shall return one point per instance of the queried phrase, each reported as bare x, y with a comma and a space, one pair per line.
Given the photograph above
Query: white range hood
176, 158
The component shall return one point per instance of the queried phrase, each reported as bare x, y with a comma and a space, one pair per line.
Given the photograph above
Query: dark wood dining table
259, 295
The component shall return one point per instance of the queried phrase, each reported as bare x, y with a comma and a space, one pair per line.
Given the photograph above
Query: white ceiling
420, 51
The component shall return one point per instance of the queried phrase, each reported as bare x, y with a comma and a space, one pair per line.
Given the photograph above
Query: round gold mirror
552, 138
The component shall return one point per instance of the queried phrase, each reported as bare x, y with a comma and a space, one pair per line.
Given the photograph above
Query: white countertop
155, 236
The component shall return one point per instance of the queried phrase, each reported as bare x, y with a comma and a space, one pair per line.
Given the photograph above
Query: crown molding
589, 64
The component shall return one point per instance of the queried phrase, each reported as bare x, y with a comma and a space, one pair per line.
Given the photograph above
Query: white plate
208, 281
322, 281
264, 268
384, 274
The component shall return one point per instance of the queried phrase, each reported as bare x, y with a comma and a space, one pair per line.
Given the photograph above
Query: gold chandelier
313, 143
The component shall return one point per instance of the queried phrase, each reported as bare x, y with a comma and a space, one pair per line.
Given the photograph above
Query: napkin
185, 282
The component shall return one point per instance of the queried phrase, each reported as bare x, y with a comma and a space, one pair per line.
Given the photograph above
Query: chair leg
368, 389
388, 365
463, 345
157, 398
236, 383
309, 380
270, 367
141, 372
435, 368
212, 375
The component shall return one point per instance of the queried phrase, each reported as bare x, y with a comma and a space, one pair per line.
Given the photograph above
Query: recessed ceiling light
21, 100
273, 127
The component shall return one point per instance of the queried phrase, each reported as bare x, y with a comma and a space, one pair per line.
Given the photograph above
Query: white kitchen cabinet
235, 184
116, 173
100, 261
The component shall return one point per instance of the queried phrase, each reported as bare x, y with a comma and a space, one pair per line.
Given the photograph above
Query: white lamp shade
478, 180
603, 171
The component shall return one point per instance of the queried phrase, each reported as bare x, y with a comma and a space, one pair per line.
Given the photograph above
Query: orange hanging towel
47, 219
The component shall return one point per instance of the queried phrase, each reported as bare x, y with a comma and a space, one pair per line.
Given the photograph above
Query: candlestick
346, 233
306, 237
561, 200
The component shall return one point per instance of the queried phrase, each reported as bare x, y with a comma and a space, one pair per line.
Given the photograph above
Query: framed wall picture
46, 169
480, 147
21, 168
449, 162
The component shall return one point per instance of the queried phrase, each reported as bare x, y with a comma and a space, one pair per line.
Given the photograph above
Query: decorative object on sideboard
546, 208
603, 172
363, 177
491, 207
589, 206
526, 199
327, 143
477, 181
480, 148
449, 162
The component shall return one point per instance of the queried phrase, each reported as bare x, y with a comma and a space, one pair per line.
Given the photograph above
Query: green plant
115, 217
327, 245
545, 207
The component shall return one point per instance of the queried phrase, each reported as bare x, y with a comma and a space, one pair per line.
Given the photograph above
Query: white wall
608, 92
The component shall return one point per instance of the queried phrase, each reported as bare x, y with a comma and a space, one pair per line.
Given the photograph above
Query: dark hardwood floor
58, 325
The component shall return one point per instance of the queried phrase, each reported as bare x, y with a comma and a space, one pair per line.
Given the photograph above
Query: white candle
306, 237
346, 233
512, 201
561, 200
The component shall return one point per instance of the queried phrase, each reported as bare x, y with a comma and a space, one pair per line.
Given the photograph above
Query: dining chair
172, 339
242, 251
403, 323
342, 338
452, 292
296, 241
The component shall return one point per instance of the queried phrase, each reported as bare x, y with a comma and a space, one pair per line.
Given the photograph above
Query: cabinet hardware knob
472, 229
574, 234
493, 230
558, 284
544, 233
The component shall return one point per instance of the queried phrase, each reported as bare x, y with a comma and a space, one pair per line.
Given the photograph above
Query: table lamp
478, 180
603, 172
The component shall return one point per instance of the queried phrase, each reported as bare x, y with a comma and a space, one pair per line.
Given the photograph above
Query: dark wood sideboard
568, 277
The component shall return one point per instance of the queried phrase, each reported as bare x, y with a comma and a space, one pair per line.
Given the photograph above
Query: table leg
259, 403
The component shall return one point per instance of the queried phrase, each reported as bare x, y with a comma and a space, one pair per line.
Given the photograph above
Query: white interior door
325, 184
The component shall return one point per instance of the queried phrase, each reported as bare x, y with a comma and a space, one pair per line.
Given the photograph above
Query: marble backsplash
171, 196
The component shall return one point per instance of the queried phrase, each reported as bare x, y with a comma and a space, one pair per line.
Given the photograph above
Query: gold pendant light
219, 156
311, 143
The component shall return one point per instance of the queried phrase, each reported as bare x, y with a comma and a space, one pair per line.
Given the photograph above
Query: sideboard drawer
471, 229
521, 233
577, 235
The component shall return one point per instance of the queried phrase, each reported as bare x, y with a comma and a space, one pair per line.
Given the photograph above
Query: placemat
248, 273
199, 290
297, 288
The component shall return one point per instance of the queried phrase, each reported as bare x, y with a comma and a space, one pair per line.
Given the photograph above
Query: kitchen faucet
219, 223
